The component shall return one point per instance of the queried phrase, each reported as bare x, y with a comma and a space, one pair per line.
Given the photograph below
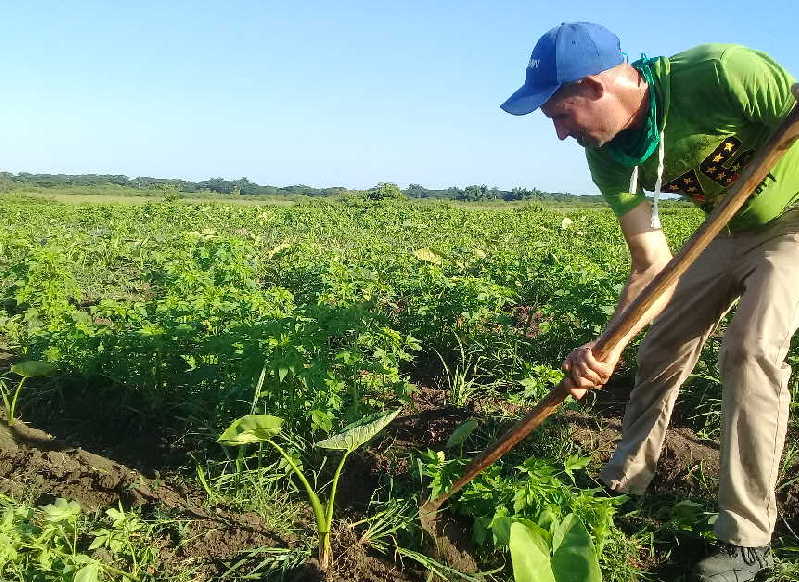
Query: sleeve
759, 88
613, 181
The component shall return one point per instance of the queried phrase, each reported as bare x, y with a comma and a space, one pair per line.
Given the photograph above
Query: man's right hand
585, 372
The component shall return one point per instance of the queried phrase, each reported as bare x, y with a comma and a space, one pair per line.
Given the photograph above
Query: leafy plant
25, 370
538, 493
42, 544
263, 428
118, 537
563, 552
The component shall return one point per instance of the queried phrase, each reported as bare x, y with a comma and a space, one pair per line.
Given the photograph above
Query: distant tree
384, 191
298, 189
519, 193
6, 182
455, 193
416, 191
333, 191
474, 193
245, 186
171, 191
219, 185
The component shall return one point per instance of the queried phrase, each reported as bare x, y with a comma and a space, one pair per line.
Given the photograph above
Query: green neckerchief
633, 147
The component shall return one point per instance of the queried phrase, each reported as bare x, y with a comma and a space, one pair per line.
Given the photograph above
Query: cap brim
528, 99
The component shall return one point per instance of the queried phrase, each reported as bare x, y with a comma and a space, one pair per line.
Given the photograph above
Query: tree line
245, 187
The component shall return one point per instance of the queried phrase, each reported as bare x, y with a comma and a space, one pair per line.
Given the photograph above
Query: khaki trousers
762, 268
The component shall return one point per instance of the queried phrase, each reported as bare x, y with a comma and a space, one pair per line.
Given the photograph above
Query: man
687, 125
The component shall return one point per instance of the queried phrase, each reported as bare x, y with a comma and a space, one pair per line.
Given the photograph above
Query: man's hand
584, 372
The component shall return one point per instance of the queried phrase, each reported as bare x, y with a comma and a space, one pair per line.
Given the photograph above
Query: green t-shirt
718, 103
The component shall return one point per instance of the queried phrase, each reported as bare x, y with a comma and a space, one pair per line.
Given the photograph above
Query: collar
633, 147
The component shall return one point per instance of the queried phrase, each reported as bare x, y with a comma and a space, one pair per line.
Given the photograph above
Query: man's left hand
585, 372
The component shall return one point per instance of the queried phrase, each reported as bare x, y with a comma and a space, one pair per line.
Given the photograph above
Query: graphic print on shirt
722, 166
687, 184
716, 165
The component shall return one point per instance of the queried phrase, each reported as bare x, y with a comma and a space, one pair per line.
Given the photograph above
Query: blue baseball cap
566, 53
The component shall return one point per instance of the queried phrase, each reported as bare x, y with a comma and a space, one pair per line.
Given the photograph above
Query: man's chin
589, 142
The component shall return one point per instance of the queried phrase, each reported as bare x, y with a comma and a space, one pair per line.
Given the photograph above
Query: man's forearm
636, 283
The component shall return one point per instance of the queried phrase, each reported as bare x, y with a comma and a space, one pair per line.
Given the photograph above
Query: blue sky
320, 93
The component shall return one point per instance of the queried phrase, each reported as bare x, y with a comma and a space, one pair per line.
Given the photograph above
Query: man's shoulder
710, 56
702, 55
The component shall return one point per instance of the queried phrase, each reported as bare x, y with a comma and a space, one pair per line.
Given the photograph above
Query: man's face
581, 117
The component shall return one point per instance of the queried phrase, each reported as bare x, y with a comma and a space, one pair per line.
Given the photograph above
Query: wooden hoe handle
753, 175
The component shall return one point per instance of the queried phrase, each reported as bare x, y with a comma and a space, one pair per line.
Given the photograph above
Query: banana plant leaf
252, 428
530, 554
355, 435
574, 558
31, 369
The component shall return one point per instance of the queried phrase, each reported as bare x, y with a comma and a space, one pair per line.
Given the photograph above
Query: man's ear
592, 87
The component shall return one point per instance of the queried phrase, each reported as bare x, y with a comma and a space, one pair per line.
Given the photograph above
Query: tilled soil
38, 467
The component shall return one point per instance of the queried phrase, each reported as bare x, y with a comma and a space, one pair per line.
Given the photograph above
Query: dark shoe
733, 564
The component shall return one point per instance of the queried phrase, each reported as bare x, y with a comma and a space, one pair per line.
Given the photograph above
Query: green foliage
32, 369
564, 553
27, 369
385, 191
356, 434
261, 428
170, 191
579, 521
253, 428
461, 433
43, 543
199, 313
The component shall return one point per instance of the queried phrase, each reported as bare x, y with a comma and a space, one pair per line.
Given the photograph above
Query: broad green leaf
574, 462
322, 420
282, 372
354, 437
460, 434
89, 573
686, 514
542, 533
116, 515
575, 559
60, 510
32, 369
549, 519
426, 254
480, 529
500, 526
102, 537
530, 555
253, 428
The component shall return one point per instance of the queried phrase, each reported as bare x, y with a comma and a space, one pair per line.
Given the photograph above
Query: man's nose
562, 132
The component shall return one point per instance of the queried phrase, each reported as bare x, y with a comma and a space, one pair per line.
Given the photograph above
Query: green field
165, 321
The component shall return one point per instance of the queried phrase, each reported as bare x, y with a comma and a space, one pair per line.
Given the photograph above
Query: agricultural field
187, 384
